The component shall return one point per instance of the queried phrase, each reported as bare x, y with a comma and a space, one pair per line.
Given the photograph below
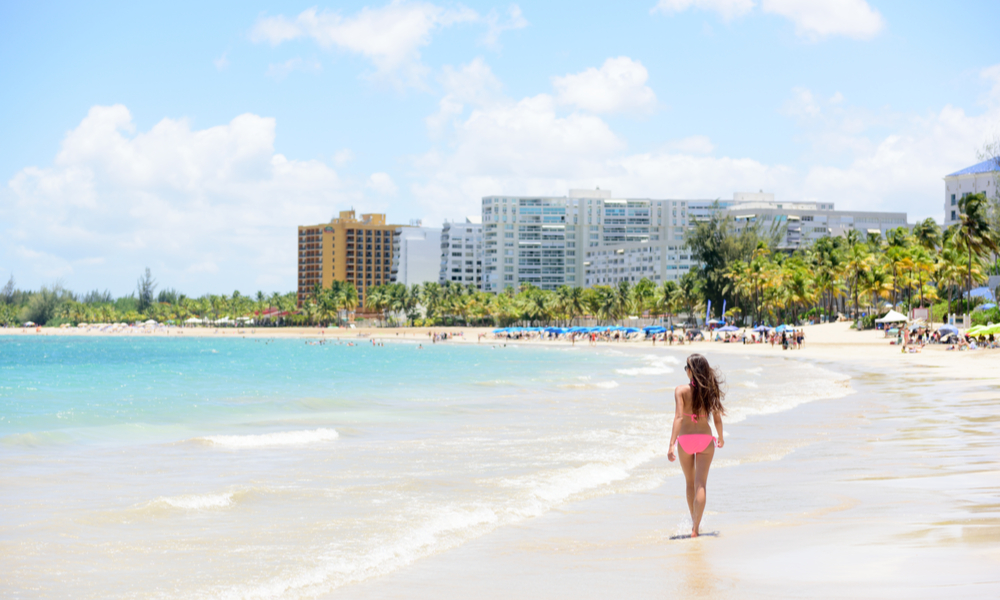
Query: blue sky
192, 139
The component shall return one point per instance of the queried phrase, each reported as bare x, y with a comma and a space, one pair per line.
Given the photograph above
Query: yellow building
345, 249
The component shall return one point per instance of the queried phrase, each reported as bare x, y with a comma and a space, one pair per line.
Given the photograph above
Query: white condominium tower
461, 252
982, 177
551, 241
589, 238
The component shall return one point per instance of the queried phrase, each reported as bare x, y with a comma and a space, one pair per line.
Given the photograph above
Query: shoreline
919, 525
879, 490
831, 342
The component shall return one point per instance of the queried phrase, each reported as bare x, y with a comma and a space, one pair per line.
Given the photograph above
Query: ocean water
246, 468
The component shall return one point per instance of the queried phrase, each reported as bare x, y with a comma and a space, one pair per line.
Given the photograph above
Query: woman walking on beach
694, 404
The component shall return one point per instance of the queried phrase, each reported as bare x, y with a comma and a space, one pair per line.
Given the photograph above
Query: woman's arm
678, 416
718, 428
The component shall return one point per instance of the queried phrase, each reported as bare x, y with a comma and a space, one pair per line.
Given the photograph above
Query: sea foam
268, 440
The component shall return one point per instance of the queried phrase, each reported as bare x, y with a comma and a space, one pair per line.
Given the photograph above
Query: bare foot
694, 533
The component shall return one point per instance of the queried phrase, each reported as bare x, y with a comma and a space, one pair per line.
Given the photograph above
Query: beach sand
892, 491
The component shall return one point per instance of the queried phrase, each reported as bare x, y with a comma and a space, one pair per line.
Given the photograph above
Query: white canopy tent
892, 317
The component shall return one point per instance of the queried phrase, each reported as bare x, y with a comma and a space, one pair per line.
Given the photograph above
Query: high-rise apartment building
462, 252
416, 254
552, 241
346, 249
590, 238
982, 177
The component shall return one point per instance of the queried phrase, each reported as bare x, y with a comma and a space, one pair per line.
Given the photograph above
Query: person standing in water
694, 403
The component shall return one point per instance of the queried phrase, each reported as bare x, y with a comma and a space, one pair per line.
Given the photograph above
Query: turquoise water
109, 389
243, 468
281, 469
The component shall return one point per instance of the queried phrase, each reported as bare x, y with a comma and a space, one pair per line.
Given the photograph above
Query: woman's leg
687, 465
703, 460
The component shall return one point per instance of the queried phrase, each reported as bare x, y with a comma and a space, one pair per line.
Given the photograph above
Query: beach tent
892, 317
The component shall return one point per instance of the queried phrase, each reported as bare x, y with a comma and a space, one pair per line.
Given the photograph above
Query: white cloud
382, 183
342, 157
813, 19
282, 70
992, 76
496, 26
727, 9
695, 144
822, 18
222, 62
173, 198
802, 104
855, 158
390, 36
473, 83
618, 86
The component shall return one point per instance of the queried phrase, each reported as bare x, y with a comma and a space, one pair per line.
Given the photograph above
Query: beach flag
708, 312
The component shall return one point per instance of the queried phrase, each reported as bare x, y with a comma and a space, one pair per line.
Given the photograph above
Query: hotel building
416, 254
589, 238
574, 240
346, 249
461, 253
982, 177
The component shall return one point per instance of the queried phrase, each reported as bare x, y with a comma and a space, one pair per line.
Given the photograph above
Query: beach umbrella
948, 329
728, 328
985, 306
992, 330
150, 322
29, 324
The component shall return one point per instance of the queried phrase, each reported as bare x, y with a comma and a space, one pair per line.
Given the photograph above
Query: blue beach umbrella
948, 329
728, 329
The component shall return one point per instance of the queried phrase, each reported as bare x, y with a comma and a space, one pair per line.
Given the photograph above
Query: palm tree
927, 234
665, 301
689, 293
973, 233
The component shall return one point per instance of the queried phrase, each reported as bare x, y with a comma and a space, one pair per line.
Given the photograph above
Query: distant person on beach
694, 403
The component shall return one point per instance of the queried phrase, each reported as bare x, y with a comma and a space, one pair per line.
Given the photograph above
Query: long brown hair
706, 387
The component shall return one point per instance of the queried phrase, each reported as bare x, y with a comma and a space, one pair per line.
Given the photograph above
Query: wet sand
891, 492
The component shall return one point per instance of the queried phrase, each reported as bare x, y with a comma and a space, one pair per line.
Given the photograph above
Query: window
952, 215
953, 202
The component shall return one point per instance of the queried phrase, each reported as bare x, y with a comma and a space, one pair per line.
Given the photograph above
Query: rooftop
987, 166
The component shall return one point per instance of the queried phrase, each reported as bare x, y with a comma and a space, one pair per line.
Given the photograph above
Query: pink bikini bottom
693, 443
